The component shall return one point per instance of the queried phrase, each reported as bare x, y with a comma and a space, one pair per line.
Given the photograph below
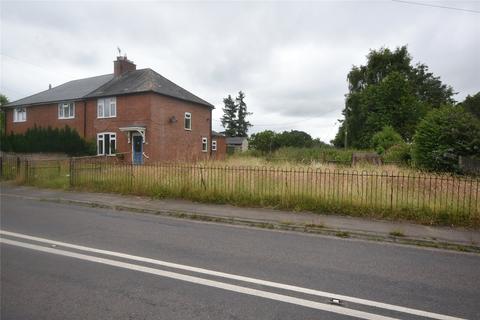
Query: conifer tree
242, 123
229, 118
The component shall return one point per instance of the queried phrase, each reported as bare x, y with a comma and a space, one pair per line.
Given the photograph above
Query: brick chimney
122, 65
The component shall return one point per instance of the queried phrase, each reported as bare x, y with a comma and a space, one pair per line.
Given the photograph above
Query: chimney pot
123, 65
49, 86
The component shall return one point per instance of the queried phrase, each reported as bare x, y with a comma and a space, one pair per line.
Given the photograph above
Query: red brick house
136, 112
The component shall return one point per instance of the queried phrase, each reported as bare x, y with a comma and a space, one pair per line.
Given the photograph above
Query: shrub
444, 135
38, 139
322, 154
398, 153
383, 140
263, 141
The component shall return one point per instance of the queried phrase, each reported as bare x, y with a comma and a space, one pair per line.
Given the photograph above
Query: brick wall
221, 152
172, 141
44, 116
165, 140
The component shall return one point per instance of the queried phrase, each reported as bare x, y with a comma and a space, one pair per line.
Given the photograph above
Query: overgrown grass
386, 192
423, 198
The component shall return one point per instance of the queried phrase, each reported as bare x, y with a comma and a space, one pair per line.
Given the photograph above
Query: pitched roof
235, 140
71, 90
143, 80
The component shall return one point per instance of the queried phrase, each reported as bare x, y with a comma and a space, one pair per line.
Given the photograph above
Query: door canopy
129, 130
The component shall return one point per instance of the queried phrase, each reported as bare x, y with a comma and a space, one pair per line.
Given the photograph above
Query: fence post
26, 173
18, 166
70, 172
391, 195
131, 177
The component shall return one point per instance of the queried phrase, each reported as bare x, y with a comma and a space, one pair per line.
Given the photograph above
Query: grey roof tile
145, 80
72, 90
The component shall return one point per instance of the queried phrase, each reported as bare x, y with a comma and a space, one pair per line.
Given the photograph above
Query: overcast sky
291, 59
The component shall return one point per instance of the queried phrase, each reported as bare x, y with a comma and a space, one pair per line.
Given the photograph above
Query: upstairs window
107, 107
214, 145
204, 144
188, 121
66, 110
19, 114
106, 143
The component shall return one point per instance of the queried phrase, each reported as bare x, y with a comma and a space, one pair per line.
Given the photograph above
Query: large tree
472, 104
388, 91
229, 118
3, 101
242, 124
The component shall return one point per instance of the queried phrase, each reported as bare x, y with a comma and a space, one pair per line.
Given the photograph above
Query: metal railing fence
423, 197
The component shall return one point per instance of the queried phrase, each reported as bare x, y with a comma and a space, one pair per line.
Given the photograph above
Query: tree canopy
472, 104
388, 91
268, 141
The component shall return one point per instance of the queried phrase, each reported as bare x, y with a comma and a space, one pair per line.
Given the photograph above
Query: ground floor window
204, 144
214, 145
106, 143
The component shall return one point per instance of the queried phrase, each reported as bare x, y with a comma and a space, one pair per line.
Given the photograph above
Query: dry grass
389, 192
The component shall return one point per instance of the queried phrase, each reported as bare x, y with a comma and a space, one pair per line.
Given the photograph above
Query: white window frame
62, 107
214, 145
204, 144
107, 104
20, 114
188, 116
101, 137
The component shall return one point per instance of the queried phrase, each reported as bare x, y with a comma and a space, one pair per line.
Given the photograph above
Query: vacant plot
381, 192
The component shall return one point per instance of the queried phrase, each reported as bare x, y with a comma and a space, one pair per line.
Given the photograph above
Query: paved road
41, 279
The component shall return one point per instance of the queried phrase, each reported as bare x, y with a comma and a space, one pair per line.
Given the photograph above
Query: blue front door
137, 149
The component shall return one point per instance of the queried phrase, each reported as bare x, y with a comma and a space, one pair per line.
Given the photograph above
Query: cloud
291, 59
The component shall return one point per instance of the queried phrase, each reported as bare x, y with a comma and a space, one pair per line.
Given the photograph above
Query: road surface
62, 261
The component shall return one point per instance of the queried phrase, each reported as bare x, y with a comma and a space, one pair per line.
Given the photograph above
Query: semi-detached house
136, 112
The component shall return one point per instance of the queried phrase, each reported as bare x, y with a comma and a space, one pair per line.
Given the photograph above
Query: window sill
69, 118
106, 117
20, 121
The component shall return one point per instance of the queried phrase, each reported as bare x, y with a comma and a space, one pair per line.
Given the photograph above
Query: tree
294, 138
388, 90
385, 139
229, 118
472, 104
268, 141
3, 101
444, 135
264, 141
242, 123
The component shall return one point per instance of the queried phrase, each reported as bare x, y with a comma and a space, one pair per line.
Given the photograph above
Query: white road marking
329, 295
205, 282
